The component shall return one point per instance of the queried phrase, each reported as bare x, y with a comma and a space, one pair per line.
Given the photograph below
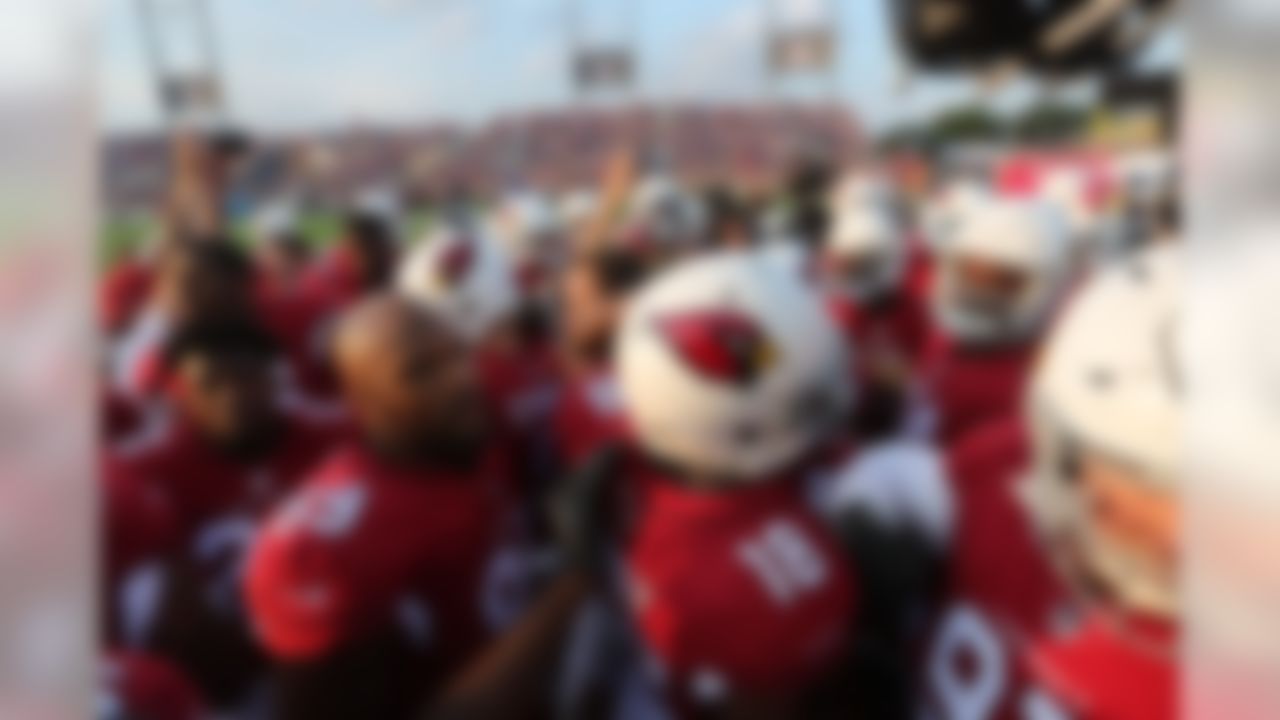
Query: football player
200, 281
878, 297
227, 451
995, 286
536, 241
361, 261
381, 573
463, 275
1106, 402
662, 219
594, 291
732, 373
998, 591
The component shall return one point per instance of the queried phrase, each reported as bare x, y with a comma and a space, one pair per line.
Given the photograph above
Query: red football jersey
120, 416
364, 543
123, 291
146, 687
301, 324
202, 484
332, 281
1106, 671
895, 332
968, 387
1001, 590
734, 590
588, 415
522, 382
138, 522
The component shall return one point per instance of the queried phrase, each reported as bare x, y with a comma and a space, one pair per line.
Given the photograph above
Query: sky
314, 64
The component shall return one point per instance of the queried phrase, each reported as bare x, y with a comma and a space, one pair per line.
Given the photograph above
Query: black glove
583, 510
899, 575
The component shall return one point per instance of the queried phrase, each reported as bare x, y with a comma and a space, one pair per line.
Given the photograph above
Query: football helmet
533, 238
1000, 275
865, 254
665, 214
730, 368
463, 275
862, 189
1106, 408
1068, 190
528, 222
945, 211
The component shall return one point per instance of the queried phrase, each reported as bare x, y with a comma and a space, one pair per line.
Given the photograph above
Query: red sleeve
148, 687
300, 597
140, 522
123, 291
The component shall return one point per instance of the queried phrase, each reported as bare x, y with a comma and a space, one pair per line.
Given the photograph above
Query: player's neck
251, 446
688, 479
425, 455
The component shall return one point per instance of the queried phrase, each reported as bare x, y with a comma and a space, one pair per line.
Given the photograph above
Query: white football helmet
866, 255
1022, 237
529, 227
1068, 190
463, 276
1109, 387
730, 368
527, 222
945, 211
861, 189
666, 213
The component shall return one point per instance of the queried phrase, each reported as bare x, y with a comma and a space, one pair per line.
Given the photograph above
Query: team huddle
641, 451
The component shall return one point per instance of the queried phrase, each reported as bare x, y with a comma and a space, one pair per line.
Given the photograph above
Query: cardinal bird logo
456, 261
721, 345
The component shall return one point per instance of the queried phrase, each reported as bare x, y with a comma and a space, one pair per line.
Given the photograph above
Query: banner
191, 93
807, 49
603, 67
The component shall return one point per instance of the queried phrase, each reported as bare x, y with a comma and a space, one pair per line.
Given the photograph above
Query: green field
123, 235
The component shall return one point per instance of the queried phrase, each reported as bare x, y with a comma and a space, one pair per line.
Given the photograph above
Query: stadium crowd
642, 450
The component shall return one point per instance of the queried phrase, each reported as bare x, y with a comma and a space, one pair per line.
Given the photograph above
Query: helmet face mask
987, 300
1112, 532
1001, 275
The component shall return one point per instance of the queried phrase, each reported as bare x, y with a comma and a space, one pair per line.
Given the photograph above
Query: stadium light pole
212, 55
172, 88
835, 72
573, 46
148, 26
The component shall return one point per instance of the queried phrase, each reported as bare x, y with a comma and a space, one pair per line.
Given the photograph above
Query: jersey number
784, 561
327, 512
969, 672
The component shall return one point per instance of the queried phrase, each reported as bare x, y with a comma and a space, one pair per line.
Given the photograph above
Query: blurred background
436, 98
128, 125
